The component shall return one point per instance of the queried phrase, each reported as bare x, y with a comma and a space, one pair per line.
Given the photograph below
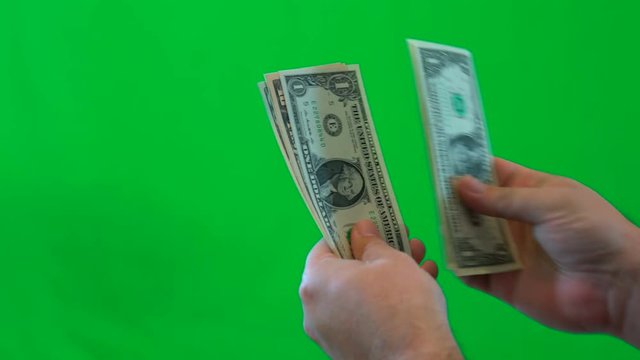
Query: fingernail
475, 186
367, 228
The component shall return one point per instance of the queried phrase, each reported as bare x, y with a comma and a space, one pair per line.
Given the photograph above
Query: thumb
532, 205
366, 243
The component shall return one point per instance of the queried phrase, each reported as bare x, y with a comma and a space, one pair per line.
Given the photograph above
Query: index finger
320, 252
516, 175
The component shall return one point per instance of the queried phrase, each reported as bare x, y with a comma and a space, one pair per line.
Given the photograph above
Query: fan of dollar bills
323, 125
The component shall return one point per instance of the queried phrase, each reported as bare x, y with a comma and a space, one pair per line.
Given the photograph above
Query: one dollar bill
455, 129
322, 121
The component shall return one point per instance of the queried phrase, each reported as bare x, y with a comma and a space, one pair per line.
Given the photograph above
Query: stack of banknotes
324, 127
323, 124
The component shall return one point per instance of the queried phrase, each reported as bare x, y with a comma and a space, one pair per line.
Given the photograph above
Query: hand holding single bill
458, 143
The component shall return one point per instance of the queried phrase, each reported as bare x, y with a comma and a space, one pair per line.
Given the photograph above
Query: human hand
581, 257
381, 305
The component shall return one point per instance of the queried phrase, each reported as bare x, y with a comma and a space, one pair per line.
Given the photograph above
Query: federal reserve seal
332, 125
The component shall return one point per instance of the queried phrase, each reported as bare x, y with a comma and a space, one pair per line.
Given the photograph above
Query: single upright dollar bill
333, 152
456, 132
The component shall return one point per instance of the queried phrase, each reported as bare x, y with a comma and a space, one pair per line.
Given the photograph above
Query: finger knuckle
567, 197
568, 182
309, 329
306, 292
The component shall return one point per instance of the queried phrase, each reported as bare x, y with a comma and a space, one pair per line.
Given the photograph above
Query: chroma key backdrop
146, 211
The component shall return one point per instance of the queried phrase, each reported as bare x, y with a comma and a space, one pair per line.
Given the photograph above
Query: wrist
625, 301
448, 352
444, 348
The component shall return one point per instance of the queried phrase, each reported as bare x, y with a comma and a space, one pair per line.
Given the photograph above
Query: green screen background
146, 211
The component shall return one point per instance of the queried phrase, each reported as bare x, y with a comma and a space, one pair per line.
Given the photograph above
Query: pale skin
380, 306
581, 273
